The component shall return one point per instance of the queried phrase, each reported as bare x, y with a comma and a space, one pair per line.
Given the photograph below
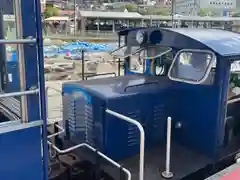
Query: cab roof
222, 42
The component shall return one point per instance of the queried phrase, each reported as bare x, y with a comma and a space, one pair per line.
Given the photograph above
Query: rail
142, 138
23, 93
62, 130
93, 33
84, 145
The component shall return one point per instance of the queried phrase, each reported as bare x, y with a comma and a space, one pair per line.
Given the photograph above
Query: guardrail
142, 138
61, 130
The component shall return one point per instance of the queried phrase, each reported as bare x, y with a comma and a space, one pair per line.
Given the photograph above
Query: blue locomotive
188, 78
172, 115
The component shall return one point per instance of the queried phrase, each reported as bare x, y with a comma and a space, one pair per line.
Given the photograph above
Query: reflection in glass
137, 64
9, 57
234, 84
192, 66
160, 70
153, 52
125, 51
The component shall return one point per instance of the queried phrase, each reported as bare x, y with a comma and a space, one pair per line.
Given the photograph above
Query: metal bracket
23, 93
14, 126
18, 41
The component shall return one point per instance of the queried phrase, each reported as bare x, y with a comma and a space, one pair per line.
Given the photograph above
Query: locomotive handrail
142, 138
101, 74
93, 149
62, 130
138, 85
21, 93
57, 133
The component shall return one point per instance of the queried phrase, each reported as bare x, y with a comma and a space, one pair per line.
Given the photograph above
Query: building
192, 7
237, 4
43, 5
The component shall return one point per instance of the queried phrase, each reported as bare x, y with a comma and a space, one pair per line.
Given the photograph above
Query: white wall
189, 6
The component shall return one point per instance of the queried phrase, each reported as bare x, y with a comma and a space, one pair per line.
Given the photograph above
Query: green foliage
236, 14
160, 11
235, 79
205, 12
129, 7
155, 11
51, 11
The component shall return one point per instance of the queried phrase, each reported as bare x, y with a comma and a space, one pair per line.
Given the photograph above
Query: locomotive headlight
140, 37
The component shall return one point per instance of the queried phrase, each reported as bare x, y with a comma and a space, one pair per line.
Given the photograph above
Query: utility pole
75, 18
173, 11
171, 5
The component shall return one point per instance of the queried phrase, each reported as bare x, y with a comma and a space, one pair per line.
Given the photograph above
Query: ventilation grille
79, 114
158, 120
133, 132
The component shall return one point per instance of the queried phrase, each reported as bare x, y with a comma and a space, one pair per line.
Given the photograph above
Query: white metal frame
206, 73
83, 145
142, 139
161, 54
125, 56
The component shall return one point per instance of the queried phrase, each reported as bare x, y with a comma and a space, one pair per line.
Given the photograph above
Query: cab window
155, 59
234, 82
137, 64
160, 65
191, 66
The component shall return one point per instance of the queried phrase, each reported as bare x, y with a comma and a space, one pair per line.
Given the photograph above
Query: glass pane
9, 69
137, 64
235, 66
153, 52
125, 51
192, 66
234, 83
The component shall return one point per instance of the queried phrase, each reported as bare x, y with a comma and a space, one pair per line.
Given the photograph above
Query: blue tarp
52, 51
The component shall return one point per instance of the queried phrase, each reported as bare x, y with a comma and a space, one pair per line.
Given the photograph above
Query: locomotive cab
184, 79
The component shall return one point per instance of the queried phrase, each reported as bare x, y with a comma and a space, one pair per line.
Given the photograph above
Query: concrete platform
230, 173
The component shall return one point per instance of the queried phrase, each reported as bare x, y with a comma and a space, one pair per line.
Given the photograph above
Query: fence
69, 33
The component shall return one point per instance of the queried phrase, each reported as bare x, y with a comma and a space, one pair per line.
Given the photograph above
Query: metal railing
91, 34
53, 120
142, 138
167, 173
12, 125
70, 149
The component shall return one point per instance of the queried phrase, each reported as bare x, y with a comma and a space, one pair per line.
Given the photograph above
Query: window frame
207, 72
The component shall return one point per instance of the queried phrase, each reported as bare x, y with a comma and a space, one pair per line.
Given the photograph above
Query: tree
130, 7
204, 12
51, 11
156, 11
236, 14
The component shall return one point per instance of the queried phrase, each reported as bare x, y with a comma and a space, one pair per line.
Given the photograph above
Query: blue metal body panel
24, 153
31, 55
114, 137
21, 155
150, 105
226, 43
200, 108
199, 119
